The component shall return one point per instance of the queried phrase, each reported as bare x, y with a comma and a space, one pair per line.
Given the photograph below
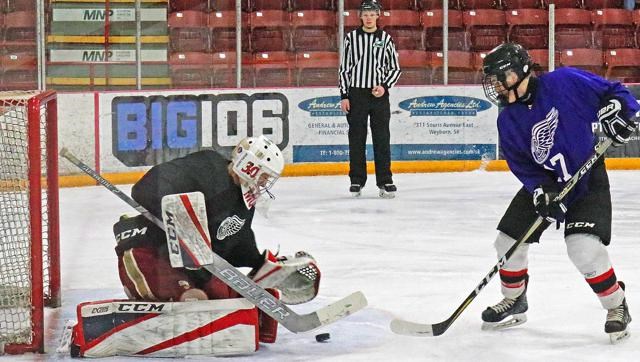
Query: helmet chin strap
527, 97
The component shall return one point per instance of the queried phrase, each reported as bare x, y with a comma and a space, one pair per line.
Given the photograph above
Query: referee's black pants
364, 106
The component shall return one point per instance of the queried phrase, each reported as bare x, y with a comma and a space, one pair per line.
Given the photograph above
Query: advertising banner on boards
427, 123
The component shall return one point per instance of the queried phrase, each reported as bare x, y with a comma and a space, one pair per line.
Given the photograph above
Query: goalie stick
239, 282
409, 328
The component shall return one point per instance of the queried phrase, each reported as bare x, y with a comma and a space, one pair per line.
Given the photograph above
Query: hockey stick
239, 282
408, 328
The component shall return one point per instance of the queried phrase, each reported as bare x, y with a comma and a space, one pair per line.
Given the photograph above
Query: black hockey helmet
370, 5
504, 57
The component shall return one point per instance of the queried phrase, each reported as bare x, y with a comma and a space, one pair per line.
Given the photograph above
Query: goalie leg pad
216, 289
171, 329
268, 325
296, 277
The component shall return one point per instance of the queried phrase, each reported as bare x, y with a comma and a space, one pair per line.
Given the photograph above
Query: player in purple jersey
546, 134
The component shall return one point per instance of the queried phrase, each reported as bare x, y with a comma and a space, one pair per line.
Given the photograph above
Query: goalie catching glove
615, 123
543, 201
296, 277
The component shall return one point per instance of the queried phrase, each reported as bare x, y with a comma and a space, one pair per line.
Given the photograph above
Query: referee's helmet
370, 5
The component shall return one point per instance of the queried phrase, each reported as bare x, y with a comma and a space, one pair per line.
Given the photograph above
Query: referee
369, 67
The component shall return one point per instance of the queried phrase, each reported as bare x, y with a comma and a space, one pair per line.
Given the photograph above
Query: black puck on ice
322, 337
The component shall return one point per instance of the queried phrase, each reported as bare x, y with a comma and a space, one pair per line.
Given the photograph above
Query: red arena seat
18, 70
437, 4
603, 4
351, 20
313, 30
479, 4
432, 25
228, 5
636, 23
273, 69
397, 4
224, 70
588, 59
573, 28
487, 28
528, 27
19, 31
522, 4
312, 4
259, 5
461, 67
270, 30
414, 67
223, 31
182, 5
20, 5
188, 31
317, 69
541, 57
576, 4
613, 28
623, 65
351, 4
404, 27
191, 69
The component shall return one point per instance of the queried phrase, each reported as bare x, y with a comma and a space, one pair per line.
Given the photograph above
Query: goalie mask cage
29, 234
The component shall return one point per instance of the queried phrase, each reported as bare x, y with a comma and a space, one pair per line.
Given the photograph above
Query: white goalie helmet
258, 162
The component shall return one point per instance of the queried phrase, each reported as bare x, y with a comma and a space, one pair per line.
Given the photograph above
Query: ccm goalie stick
239, 282
408, 328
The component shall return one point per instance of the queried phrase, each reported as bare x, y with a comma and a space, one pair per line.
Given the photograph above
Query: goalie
230, 191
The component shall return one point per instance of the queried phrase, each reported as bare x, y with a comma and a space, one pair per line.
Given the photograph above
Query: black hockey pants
364, 105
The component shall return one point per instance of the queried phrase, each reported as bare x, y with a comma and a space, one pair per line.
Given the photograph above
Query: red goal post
29, 219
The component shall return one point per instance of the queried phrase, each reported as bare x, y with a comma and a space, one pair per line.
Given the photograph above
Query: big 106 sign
147, 130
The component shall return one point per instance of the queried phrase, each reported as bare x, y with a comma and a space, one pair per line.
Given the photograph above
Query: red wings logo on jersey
251, 169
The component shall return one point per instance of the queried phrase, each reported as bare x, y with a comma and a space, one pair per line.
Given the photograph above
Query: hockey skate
494, 316
356, 190
388, 191
618, 319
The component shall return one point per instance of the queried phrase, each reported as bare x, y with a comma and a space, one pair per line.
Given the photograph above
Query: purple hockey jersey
549, 141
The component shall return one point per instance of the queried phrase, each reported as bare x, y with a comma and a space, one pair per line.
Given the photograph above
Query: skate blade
387, 195
617, 337
516, 320
356, 194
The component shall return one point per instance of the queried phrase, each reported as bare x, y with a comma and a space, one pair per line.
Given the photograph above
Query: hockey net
29, 249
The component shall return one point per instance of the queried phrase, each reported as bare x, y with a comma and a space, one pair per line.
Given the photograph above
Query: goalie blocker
170, 329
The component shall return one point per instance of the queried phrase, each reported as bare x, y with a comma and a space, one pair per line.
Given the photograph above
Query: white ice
417, 257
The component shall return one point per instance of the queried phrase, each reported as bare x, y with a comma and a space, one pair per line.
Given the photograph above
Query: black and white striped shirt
369, 59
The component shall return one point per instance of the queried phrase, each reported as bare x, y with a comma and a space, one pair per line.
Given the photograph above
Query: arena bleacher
289, 43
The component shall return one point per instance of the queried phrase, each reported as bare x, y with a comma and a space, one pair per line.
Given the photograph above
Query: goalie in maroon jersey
230, 190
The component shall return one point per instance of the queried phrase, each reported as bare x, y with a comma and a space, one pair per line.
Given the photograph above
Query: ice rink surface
416, 257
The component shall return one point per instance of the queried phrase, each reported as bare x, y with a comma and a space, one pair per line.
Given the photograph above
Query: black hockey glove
614, 121
543, 197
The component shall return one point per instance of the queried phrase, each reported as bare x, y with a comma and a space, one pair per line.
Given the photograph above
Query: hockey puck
322, 337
